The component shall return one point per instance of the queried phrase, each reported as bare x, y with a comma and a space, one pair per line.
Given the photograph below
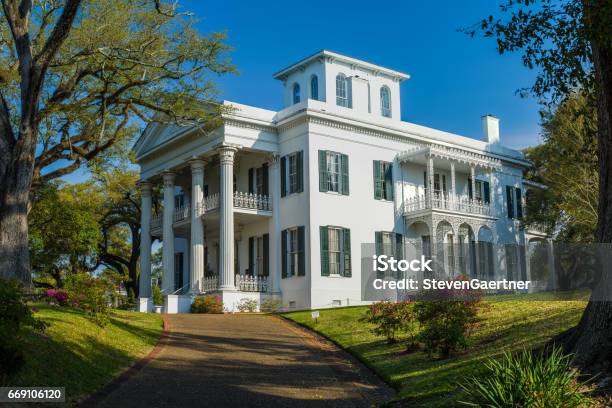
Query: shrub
56, 296
89, 294
207, 304
527, 380
158, 298
389, 318
14, 316
446, 319
270, 305
247, 305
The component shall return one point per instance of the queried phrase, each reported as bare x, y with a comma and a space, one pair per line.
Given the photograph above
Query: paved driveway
245, 361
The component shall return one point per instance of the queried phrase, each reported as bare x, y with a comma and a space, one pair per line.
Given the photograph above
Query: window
383, 180
335, 251
333, 172
514, 202
258, 180
259, 269
482, 193
179, 200
511, 262
314, 87
485, 255
178, 270
426, 245
296, 93
450, 254
390, 244
342, 91
385, 101
292, 174
292, 242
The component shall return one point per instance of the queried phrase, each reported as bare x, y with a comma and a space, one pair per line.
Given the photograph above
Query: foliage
447, 318
58, 297
389, 318
207, 304
527, 379
270, 305
15, 315
247, 305
158, 298
91, 295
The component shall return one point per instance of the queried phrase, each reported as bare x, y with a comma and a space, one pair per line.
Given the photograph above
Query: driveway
245, 360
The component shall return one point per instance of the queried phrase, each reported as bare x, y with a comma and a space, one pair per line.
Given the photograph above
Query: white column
197, 228
226, 222
430, 180
145, 240
551, 265
492, 192
168, 234
453, 185
473, 181
274, 224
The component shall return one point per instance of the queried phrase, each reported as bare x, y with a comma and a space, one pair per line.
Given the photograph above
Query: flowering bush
56, 296
447, 318
247, 305
389, 318
207, 304
90, 294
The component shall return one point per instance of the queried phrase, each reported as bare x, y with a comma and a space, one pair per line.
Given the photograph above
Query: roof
339, 57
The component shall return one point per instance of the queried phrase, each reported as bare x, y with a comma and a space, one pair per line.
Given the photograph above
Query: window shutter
509, 202
346, 252
300, 171
264, 173
389, 181
377, 181
399, 246
470, 192
378, 242
283, 171
322, 171
301, 270
251, 255
487, 192
519, 204
344, 166
284, 253
266, 254
424, 179
251, 183
324, 251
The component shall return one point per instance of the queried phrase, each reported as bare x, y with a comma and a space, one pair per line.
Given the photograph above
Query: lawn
508, 323
81, 356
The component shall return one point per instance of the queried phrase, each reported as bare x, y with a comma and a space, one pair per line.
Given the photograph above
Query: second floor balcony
445, 202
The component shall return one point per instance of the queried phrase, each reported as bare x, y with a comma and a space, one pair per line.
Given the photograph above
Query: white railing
252, 201
248, 283
209, 284
156, 221
181, 213
209, 203
441, 201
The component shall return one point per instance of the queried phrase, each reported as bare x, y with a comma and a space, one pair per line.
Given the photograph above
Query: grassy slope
508, 324
79, 355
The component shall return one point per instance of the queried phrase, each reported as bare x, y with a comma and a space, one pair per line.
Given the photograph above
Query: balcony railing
246, 283
446, 202
181, 213
209, 284
252, 201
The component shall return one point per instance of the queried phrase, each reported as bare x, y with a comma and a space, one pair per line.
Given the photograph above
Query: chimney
490, 128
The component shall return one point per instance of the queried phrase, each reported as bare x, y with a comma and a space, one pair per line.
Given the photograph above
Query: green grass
508, 323
81, 356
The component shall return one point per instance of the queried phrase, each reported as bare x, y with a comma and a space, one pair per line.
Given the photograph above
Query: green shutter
344, 168
301, 270
487, 192
519, 204
399, 246
251, 184
300, 171
378, 241
251, 256
389, 181
470, 192
346, 252
509, 202
322, 171
266, 254
265, 187
377, 181
284, 253
283, 171
324, 251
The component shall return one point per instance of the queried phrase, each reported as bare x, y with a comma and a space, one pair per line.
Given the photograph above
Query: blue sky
454, 79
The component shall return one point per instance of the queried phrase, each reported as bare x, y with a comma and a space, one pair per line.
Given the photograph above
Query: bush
56, 296
247, 305
14, 316
271, 305
207, 304
527, 380
89, 294
446, 319
158, 299
389, 318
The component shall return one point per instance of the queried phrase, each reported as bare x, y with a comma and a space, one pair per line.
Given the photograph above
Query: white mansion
279, 203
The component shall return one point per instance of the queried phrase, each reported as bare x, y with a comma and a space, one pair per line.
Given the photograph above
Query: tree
570, 43
79, 80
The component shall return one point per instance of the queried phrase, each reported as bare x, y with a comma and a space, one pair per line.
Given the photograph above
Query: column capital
273, 159
145, 187
226, 154
197, 163
168, 178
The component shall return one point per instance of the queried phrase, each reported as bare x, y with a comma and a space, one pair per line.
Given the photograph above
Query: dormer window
314, 88
342, 91
385, 101
296, 93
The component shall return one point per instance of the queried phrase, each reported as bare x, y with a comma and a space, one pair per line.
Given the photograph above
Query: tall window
333, 172
342, 91
514, 202
296, 93
259, 180
292, 178
292, 252
335, 251
383, 180
385, 101
511, 261
292, 249
293, 173
314, 88
482, 193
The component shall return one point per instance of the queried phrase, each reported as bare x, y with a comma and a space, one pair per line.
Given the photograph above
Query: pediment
154, 135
